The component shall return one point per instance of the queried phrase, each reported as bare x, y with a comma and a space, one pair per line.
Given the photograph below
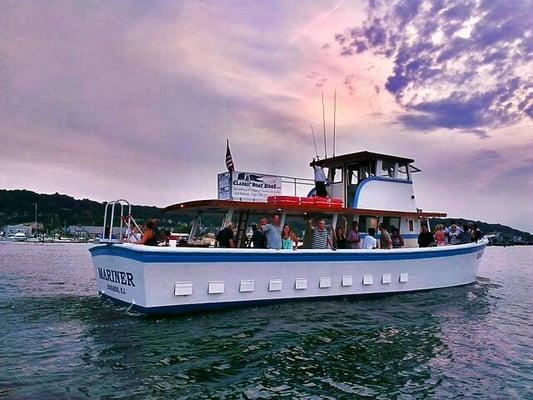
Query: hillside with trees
55, 211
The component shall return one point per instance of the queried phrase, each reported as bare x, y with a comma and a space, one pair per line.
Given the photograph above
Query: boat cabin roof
222, 206
359, 157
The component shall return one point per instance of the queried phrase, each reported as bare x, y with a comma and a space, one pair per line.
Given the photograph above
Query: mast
334, 117
324, 124
35, 219
314, 141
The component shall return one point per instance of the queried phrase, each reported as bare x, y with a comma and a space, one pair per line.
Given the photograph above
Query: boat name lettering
255, 185
111, 275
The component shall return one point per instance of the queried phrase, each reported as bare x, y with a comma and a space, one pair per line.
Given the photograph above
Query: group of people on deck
317, 236
454, 234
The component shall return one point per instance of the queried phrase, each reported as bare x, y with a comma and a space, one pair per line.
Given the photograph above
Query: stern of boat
117, 276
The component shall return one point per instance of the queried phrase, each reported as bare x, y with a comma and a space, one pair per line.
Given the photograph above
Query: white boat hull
17, 238
164, 280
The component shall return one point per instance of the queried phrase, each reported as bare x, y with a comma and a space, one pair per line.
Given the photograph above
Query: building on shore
88, 231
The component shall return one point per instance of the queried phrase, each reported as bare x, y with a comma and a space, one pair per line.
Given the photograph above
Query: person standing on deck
476, 234
320, 181
226, 238
425, 238
454, 234
289, 240
321, 238
466, 235
385, 241
369, 241
149, 237
439, 235
354, 238
258, 237
273, 233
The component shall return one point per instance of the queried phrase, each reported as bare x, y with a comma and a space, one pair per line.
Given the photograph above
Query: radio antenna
324, 124
334, 117
314, 141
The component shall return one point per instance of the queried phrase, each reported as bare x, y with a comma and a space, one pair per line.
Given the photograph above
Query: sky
135, 99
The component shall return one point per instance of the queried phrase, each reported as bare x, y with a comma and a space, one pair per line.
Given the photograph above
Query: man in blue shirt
273, 233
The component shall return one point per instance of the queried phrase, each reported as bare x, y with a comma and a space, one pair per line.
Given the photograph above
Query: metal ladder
125, 221
241, 228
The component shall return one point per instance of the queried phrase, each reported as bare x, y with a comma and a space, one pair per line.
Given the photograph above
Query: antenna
324, 123
334, 117
314, 141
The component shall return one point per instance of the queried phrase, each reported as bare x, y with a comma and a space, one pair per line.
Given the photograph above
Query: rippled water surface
58, 341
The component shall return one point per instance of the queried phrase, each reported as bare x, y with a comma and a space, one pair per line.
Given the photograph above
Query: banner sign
247, 186
224, 186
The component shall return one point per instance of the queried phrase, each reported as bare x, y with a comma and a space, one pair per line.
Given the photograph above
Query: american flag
229, 159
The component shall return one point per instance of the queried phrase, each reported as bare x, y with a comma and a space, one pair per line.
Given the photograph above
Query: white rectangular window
347, 280
386, 279
325, 282
404, 277
216, 287
275, 285
183, 289
300, 284
246, 286
368, 280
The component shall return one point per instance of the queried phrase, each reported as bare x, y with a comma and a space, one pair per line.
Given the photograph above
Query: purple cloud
458, 65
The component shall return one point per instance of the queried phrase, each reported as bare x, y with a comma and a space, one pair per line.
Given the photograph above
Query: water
58, 341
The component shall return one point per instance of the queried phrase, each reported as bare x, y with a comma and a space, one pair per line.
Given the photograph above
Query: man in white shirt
320, 181
369, 241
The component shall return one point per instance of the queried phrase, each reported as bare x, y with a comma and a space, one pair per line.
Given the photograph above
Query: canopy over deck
222, 206
358, 157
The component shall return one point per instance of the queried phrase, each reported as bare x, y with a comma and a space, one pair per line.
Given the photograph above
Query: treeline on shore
56, 211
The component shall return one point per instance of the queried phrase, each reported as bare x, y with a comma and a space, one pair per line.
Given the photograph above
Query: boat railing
126, 222
300, 185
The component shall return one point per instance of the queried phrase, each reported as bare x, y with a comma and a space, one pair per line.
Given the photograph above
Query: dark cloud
462, 65
318, 78
348, 82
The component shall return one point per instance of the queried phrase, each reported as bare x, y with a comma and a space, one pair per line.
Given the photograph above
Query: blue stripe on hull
192, 308
220, 256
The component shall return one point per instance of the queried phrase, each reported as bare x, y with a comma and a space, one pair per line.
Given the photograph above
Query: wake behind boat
370, 188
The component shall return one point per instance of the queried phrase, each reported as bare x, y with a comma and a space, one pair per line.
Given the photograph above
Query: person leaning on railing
149, 237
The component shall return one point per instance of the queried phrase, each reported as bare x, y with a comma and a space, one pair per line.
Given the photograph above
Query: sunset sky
135, 99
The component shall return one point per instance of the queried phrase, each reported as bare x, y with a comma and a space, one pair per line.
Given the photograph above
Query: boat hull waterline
173, 280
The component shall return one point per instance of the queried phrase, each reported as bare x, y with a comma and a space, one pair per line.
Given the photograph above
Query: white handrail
122, 203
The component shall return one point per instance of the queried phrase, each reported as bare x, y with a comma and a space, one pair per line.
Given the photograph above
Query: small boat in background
19, 236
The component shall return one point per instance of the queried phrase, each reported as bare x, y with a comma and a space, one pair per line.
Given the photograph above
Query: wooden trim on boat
290, 209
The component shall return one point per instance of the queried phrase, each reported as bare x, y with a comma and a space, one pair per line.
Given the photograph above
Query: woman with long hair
439, 235
289, 240
340, 237
396, 238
